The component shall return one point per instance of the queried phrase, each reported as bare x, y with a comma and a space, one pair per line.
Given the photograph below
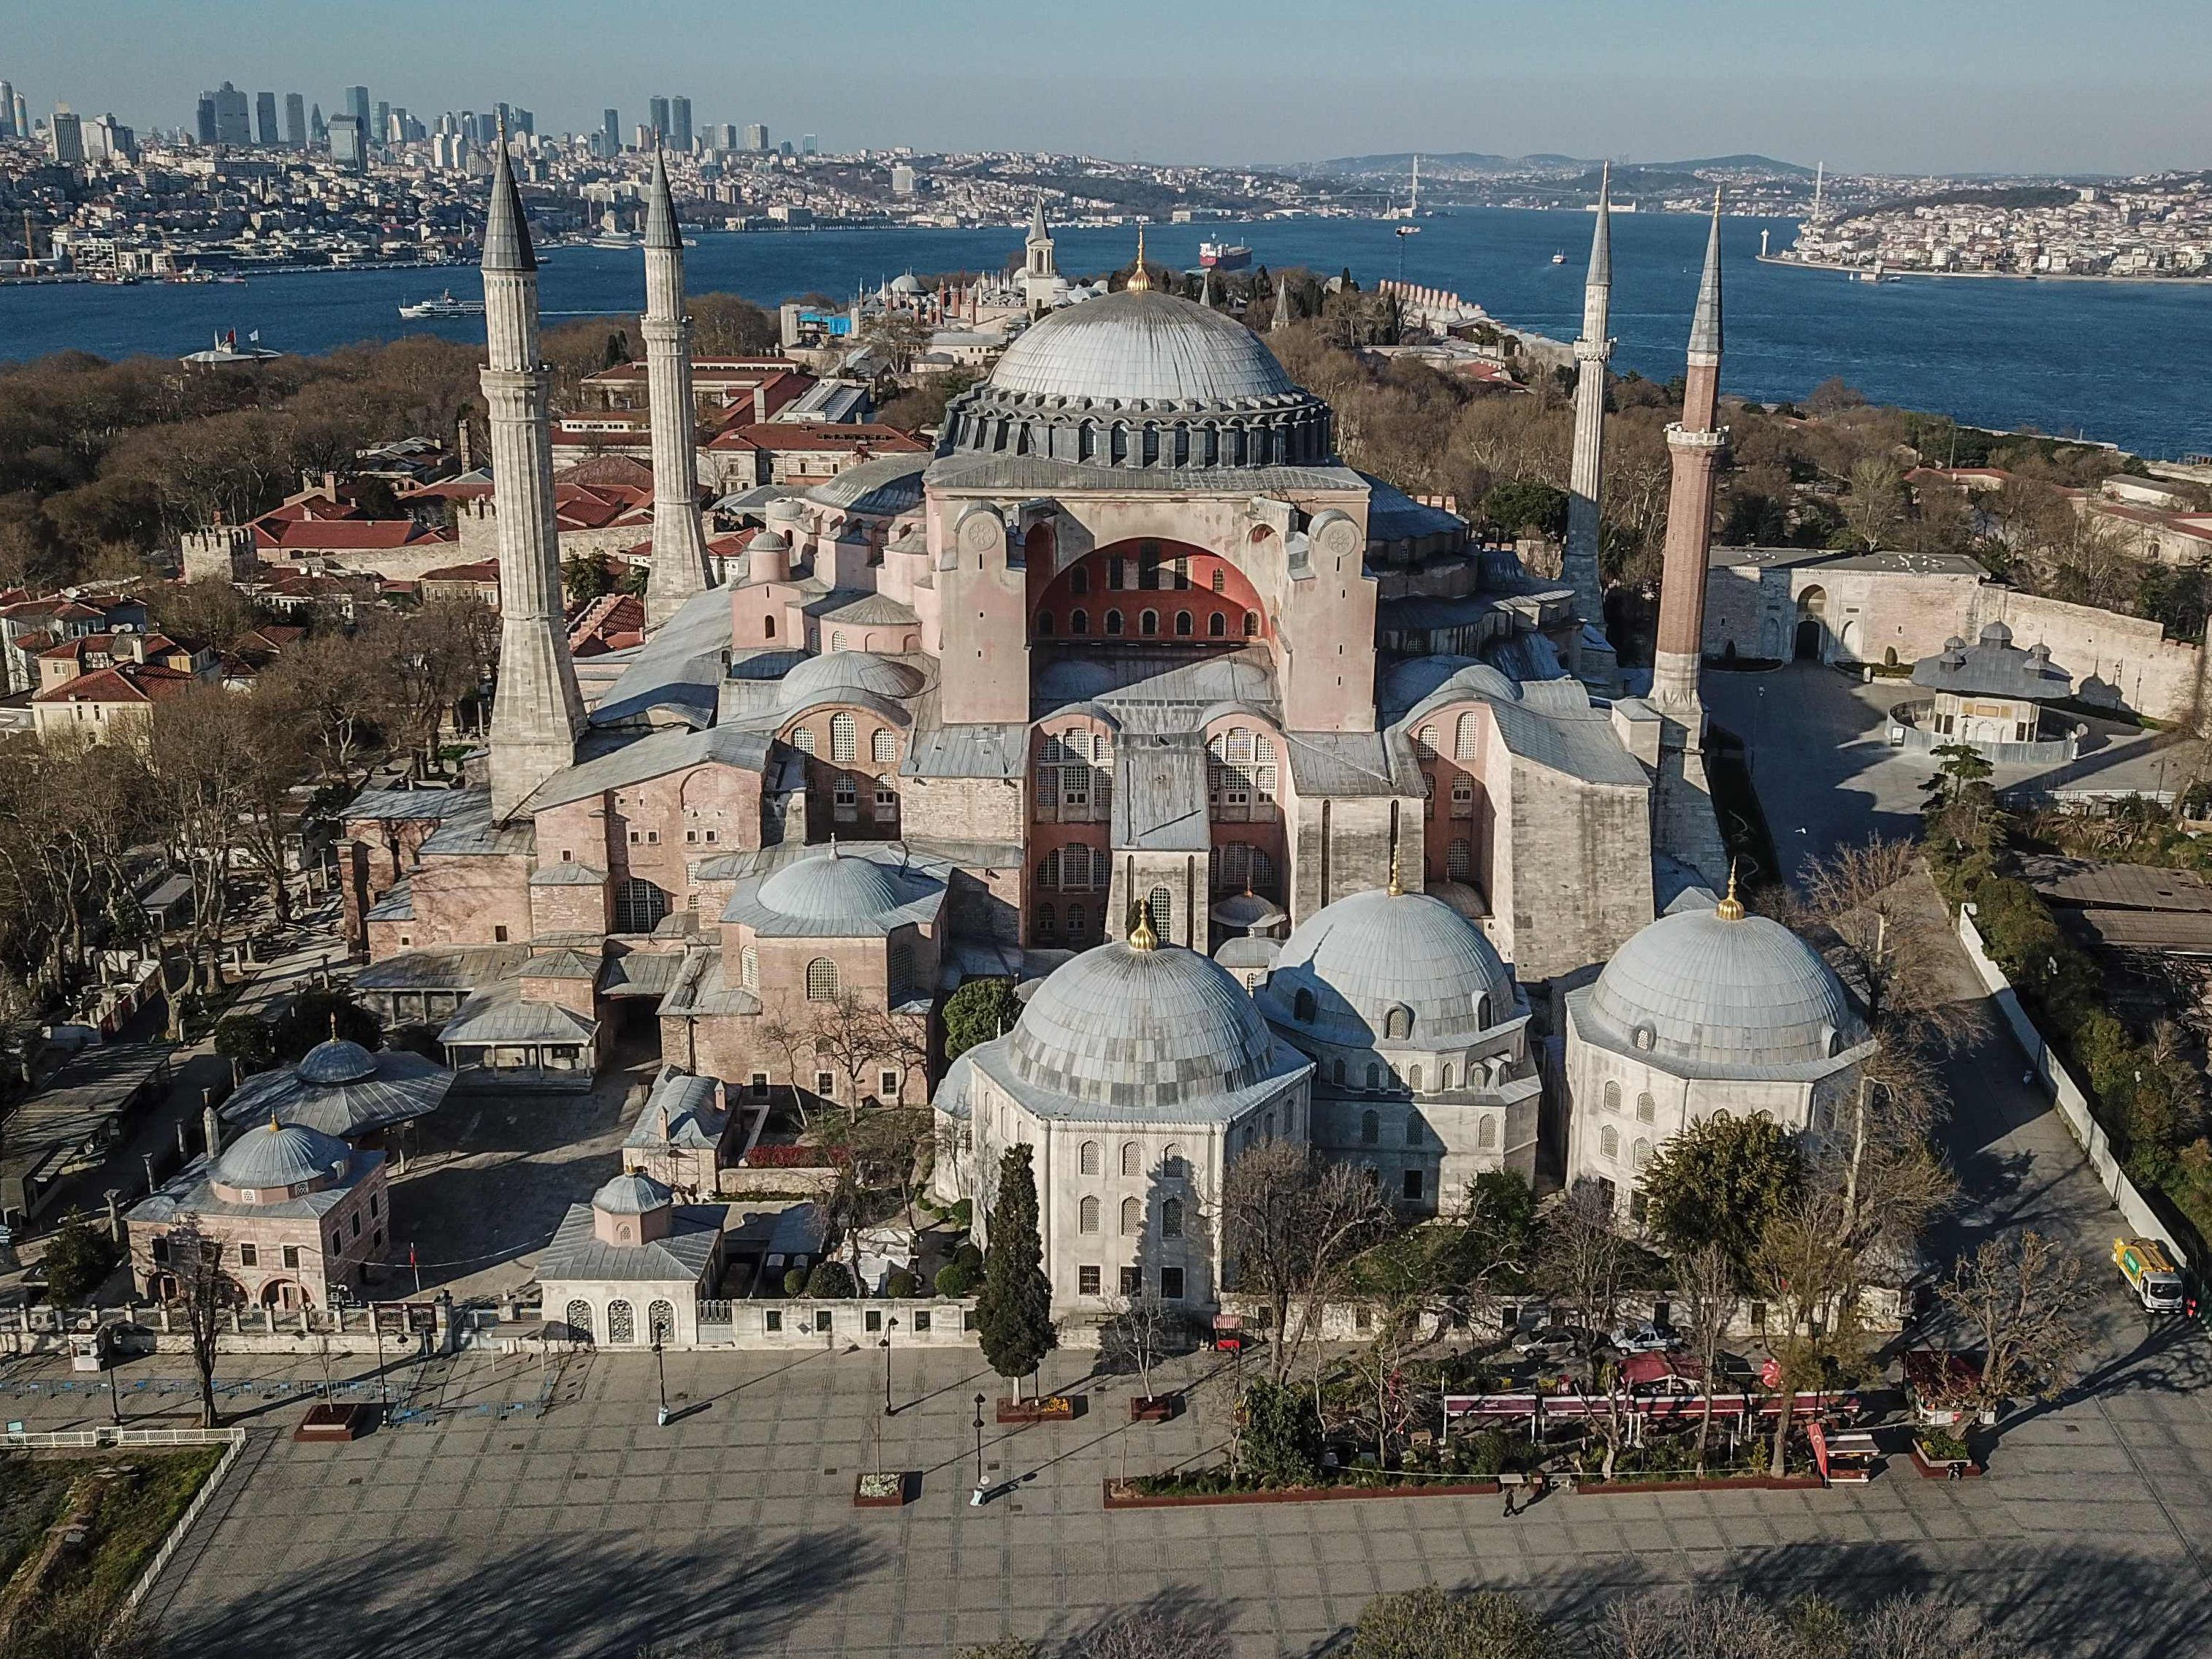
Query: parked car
1545, 1346
1646, 1338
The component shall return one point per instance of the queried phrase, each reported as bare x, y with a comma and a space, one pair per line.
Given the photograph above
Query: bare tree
1586, 1263
1706, 1281
852, 1037
2021, 1297
1292, 1222
207, 1294
1729, 1624
1143, 1330
1805, 1271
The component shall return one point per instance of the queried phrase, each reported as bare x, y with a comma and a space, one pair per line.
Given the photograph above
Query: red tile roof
125, 683
344, 535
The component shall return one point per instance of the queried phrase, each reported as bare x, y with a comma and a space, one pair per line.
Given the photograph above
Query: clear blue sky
1966, 85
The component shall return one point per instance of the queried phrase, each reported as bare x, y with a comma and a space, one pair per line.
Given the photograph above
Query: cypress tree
1013, 1311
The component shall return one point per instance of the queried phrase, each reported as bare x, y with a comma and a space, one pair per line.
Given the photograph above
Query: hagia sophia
1292, 811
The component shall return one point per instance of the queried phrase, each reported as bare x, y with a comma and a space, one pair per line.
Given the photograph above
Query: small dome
1699, 989
827, 887
1373, 952
839, 676
290, 1155
1118, 1026
1130, 347
337, 1062
632, 1194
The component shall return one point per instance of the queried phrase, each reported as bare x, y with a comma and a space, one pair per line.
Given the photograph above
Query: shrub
902, 1284
830, 1279
955, 1278
978, 1011
79, 1258
963, 1215
795, 1282
1281, 1434
969, 1257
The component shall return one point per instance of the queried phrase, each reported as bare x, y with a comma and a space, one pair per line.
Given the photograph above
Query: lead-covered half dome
1144, 1030
1349, 967
1721, 990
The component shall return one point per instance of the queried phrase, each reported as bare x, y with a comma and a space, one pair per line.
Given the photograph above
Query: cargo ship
1224, 256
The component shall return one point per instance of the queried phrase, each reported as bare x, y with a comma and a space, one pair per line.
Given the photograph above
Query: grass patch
31, 1497
132, 1514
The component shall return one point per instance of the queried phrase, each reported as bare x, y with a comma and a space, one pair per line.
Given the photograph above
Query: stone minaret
537, 713
1685, 824
1694, 445
679, 545
1594, 661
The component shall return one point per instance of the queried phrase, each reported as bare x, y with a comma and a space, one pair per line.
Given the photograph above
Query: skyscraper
522, 121
349, 143
7, 111
679, 124
204, 118
656, 116
380, 129
611, 131
357, 105
295, 120
22, 116
233, 120
806, 145
755, 136
65, 137
265, 120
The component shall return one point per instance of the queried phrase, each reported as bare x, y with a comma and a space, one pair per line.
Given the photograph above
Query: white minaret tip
660, 230
1600, 264
507, 234
1706, 329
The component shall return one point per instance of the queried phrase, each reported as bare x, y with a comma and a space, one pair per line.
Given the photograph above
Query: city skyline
2053, 90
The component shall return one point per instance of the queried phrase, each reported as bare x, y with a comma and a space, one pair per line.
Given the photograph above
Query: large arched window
1374, 1075
1251, 624
1078, 621
1302, 1006
822, 980
1171, 1218
1217, 626
842, 746
1482, 1013
622, 1322
1371, 1128
639, 906
1465, 735
1608, 1142
1485, 1133
1647, 1109
1336, 1073
1160, 908
1088, 1159
1424, 743
1113, 621
1459, 862
660, 1322
1182, 624
1398, 1022
1133, 1217
883, 748
1148, 623
1639, 1155
1612, 1096
1172, 1167
1132, 1161
1087, 1216
1412, 1128
577, 1316
1444, 1076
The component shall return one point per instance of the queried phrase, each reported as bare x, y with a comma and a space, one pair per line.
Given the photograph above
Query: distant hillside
1766, 164
2017, 195
1445, 163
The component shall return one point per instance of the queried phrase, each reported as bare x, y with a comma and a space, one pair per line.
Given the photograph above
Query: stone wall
2126, 662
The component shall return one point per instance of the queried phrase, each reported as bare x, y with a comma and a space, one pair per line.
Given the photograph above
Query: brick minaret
537, 713
1594, 659
1684, 826
1695, 444
679, 545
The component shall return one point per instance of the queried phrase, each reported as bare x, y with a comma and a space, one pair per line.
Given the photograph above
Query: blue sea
2100, 359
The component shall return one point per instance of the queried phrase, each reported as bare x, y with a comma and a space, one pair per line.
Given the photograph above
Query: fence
2142, 1221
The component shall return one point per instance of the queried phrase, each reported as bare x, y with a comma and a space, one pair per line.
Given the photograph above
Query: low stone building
1990, 695
629, 1268
681, 1133
293, 1211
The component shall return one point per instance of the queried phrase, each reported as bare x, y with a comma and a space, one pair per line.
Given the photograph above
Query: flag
255, 337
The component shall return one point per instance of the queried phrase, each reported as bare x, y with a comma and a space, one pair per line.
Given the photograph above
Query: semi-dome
279, 1157
1129, 346
338, 1062
1378, 965
632, 1194
1124, 1027
837, 675
1717, 988
1140, 379
825, 887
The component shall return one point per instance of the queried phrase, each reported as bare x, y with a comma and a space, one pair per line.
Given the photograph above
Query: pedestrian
1954, 1471
1511, 1493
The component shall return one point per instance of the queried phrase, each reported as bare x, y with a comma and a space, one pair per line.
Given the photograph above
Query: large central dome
1129, 347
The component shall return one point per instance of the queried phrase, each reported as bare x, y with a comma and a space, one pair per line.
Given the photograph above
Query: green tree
1013, 1313
584, 578
79, 1258
1278, 1440
317, 1015
1522, 504
1720, 1182
830, 1279
1427, 1623
980, 1010
245, 1041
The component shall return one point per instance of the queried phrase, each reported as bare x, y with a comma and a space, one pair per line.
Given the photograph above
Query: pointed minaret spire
1206, 287
1037, 231
537, 713
1593, 656
1705, 327
678, 568
1282, 318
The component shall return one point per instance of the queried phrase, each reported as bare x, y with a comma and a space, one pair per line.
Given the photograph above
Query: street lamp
660, 1368
890, 1325
976, 1497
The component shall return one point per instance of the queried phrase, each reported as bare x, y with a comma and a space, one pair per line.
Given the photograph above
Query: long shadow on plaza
559, 1595
2070, 1600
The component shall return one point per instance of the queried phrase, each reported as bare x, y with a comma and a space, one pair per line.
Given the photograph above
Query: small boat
235, 282
1409, 230
1559, 258
444, 306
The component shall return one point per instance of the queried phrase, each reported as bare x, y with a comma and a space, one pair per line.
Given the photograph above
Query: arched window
749, 968
1414, 1078
1639, 1155
1336, 1073
1078, 621
1302, 1006
1047, 920
841, 735
639, 906
1044, 622
1647, 1109
1075, 865
1609, 1141
1251, 624
1172, 1167
1220, 579
1459, 862
1371, 1128
1374, 1075
660, 1322
1076, 921
1160, 906
1170, 1218
1398, 1022
1217, 626
578, 1318
1113, 622
1087, 1216
1482, 1013
883, 748
622, 1322
767, 628
1087, 1159
1485, 1133
1424, 743
1148, 623
837, 639
822, 980
802, 739
1132, 1161
1133, 1217
1444, 1076
1048, 870
1612, 1096
1182, 624
1465, 736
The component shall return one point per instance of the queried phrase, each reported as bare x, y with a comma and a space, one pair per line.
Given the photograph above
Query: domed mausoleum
1708, 1011
1137, 1073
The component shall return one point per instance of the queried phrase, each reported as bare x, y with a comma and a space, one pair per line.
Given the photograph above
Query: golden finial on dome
1138, 282
273, 1124
1141, 936
1731, 908
1397, 888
